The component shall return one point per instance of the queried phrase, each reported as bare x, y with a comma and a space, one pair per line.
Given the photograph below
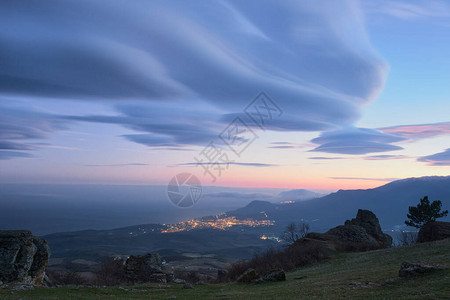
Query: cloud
325, 158
118, 165
231, 163
282, 147
285, 145
18, 127
385, 157
195, 123
351, 140
438, 159
299, 195
364, 178
237, 195
419, 131
408, 10
192, 65
13, 154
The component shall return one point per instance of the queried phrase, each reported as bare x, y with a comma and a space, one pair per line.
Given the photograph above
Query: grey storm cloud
315, 61
438, 159
353, 140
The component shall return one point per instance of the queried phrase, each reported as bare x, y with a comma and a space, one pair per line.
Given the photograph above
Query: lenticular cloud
313, 60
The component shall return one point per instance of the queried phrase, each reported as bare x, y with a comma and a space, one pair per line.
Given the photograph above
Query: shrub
406, 238
111, 272
301, 253
65, 278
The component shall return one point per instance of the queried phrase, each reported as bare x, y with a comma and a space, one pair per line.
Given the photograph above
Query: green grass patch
325, 280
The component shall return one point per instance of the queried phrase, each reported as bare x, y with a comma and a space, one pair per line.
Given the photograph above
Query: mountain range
389, 202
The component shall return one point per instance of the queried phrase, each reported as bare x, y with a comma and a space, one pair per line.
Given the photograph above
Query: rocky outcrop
434, 231
147, 268
369, 221
23, 258
358, 234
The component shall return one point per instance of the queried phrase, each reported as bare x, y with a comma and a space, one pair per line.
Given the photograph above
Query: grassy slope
327, 280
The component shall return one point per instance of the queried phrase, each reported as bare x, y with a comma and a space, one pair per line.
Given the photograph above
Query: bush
65, 278
406, 238
301, 253
111, 272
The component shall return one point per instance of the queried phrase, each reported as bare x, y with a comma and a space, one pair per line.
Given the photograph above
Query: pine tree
424, 213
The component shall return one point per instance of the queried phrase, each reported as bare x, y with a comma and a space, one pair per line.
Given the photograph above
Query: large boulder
358, 234
352, 236
434, 231
147, 268
369, 221
23, 258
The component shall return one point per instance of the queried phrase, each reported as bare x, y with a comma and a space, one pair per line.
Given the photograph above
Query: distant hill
389, 202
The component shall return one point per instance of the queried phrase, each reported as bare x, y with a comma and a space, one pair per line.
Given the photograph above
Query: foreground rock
275, 275
358, 234
410, 269
147, 268
434, 231
23, 258
248, 276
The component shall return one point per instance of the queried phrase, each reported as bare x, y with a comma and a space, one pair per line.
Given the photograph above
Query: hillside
389, 202
328, 280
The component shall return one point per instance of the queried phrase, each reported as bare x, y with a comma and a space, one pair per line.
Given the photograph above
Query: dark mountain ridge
389, 202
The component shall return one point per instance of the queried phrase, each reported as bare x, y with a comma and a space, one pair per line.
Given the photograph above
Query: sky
267, 94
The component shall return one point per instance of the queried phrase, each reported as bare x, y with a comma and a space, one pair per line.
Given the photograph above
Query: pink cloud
420, 131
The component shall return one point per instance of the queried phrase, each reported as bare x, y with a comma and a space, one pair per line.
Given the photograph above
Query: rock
145, 268
188, 286
158, 277
353, 234
247, 276
47, 282
434, 231
222, 275
359, 234
369, 221
22, 287
257, 280
410, 269
23, 258
359, 284
275, 275
169, 277
179, 281
391, 280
